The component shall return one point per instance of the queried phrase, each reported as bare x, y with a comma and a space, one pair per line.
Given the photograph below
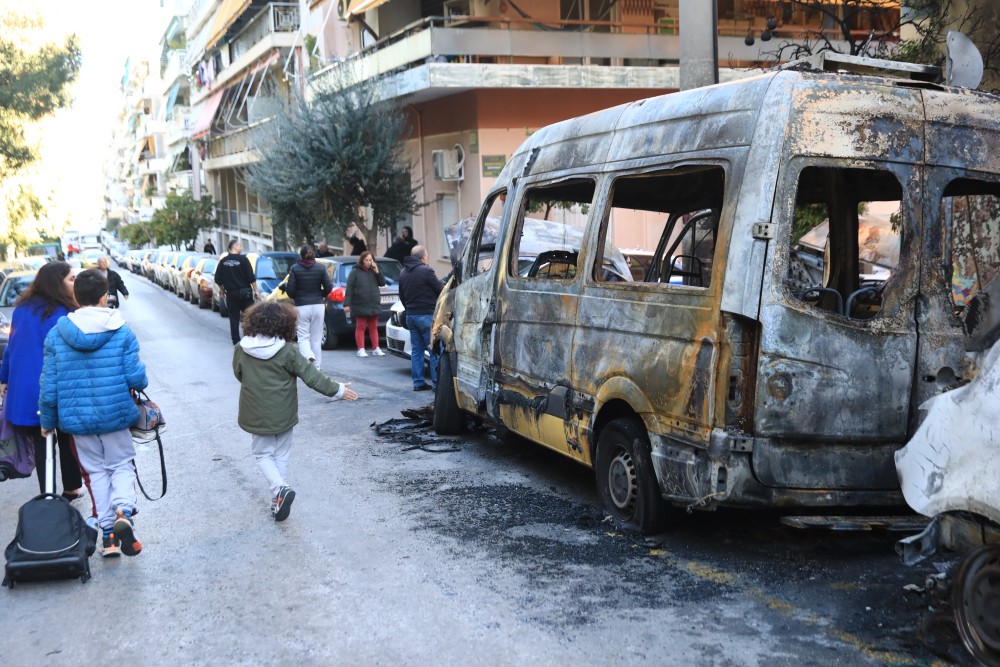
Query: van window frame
519, 212
891, 293
718, 254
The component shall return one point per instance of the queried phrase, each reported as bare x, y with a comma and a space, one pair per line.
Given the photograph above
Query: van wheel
448, 417
626, 481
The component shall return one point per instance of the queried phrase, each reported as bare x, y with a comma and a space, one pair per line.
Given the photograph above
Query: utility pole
699, 32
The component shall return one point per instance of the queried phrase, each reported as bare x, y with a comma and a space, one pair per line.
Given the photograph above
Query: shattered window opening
971, 210
550, 230
485, 235
845, 239
676, 212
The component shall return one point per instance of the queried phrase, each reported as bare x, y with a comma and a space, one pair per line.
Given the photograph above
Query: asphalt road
405, 549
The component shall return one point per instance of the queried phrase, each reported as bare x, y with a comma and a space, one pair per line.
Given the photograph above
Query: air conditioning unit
457, 10
449, 165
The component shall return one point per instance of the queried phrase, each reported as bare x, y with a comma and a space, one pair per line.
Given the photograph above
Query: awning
224, 19
207, 115
355, 7
172, 97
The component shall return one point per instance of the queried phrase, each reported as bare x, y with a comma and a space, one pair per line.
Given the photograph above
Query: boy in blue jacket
91, 361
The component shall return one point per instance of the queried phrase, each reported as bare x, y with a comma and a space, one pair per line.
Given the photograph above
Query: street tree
34, 82
914, 32
324, 164
181, 218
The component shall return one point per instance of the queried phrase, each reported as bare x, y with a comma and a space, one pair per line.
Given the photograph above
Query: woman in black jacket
308, 284
363, 301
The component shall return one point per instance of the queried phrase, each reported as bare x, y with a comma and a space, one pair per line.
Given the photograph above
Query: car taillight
336, 295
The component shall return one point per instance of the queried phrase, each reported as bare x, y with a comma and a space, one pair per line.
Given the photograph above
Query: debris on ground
415, 430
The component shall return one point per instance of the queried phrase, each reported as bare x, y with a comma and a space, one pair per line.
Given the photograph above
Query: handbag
150, 416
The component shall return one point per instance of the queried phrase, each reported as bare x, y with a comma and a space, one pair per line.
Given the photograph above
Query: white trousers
271, 453
310, 331
106, 460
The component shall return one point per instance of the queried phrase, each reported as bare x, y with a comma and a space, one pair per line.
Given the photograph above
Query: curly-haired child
267, 363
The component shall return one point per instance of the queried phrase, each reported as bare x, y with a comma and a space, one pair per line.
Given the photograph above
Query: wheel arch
618, 398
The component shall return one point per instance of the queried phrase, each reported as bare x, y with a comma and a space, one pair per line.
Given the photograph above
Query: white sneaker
378, 352
362, 353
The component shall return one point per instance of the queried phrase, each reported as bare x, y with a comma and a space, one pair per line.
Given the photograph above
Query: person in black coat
115, 282
357, 241
308, 284
363, 302
419, 288
238, 284
209, 248
402, 246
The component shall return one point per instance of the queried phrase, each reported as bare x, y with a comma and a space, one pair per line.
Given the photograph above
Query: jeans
420, 340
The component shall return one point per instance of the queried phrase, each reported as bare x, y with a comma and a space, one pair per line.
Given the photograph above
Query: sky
74, 143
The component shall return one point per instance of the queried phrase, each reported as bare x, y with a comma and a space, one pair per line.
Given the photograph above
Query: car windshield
12, 288
209, 266
389, 269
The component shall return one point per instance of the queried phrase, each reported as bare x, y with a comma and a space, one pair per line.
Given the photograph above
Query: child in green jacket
267, 363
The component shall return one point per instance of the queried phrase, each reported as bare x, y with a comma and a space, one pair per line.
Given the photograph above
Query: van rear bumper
728, 472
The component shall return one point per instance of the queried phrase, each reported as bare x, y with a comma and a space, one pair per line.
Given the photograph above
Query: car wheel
626, 481
202, 303
223, 310
329, 341
448, 417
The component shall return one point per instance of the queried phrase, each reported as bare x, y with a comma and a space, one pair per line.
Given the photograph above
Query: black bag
245, 293
52, 541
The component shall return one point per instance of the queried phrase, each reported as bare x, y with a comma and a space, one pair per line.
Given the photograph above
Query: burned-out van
818, 238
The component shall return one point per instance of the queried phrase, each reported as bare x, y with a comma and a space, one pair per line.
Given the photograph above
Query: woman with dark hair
401, 247
308, 284
36, 311
363, 302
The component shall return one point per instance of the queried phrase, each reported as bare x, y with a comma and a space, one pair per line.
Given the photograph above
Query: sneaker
422, 387
283, 503
378, 352
125, 530
362, 353
110, 547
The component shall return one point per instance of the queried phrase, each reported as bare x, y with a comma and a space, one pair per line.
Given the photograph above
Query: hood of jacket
89, 328
262, 347
306, 263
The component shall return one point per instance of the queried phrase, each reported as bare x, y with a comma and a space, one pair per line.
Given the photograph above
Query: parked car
201, 281
88, 258
15, 283
338, 326
180, 275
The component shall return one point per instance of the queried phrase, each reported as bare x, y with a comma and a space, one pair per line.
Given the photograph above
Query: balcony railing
276, 17
492, 40
237, 141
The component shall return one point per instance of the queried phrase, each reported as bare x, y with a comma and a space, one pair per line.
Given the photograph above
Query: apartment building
137, 166
474, 78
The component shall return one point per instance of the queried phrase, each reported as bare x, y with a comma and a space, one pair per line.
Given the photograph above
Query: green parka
269, 399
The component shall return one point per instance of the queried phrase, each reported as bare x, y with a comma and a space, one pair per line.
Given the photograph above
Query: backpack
53, 541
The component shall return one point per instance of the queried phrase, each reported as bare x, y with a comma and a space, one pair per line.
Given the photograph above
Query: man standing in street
209, 247
419, 288
238, 285
115, 282
323, 250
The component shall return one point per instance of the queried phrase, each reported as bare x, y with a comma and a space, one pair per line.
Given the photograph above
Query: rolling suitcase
53, 541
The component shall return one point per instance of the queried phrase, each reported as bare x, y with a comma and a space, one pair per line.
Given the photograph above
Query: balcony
235, 147
435, 56
174, 68
181, 124
277, 17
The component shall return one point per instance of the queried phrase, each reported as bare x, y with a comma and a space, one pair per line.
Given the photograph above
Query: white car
397, 336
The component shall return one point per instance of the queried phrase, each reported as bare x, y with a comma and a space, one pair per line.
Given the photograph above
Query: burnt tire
626, 481
448, 417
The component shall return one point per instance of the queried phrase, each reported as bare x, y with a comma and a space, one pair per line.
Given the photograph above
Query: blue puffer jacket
91, 362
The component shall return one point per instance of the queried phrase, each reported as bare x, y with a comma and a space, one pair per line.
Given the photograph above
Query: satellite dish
964, 65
